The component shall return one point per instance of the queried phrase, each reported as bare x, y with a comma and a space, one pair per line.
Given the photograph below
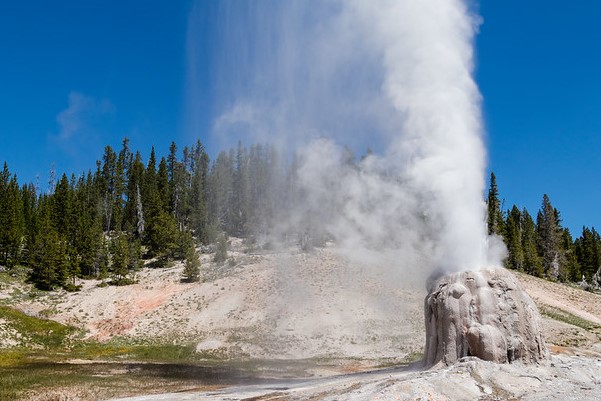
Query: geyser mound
482, 313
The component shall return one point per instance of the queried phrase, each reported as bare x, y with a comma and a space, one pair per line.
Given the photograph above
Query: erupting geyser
481, 313
398, 75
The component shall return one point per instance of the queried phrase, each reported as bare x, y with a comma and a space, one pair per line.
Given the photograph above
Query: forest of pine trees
544, 248
105, 223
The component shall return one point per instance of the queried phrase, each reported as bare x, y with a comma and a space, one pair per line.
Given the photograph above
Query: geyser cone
481, 313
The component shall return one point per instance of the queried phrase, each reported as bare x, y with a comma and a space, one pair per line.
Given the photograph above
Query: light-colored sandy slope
271, 305
583, 304
319, 304
285, 305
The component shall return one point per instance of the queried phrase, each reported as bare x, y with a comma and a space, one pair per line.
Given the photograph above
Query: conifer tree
221, 252
571, 270
120, 259
134, 220
154, 216
12, 224
198, 193
191, 271
532, 262
124, 161
179, 186
48, 258
548, 239
588, 252
162, 238
125, 257
29, 202
89, 234
240, 195
63, 213
513, 240
220, 190
108, 186
495, 215
163, 186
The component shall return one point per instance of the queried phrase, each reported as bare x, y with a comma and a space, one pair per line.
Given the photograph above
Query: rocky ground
563, 378
291, 305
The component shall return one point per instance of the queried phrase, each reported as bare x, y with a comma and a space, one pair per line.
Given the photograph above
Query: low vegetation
566, 317
46, 355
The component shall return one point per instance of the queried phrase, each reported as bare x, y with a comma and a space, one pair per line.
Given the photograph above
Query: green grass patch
121, 350
566, 317
36, 332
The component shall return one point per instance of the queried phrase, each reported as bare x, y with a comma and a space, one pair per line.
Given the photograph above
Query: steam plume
395, 75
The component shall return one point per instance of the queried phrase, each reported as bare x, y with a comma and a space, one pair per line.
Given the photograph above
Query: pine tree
107, 186
513, 240
179, 184
150, 190
162, 238
133, 220
29, 201
120, 259
124, 161
548, 239
221, 252
184, 242
174, 177
495, 215
571, 271
198, 193
89, 237
532, 262
588, 252
12, 223
191, 271
154, 215
240, 194
163, 186
220, 190
125, 257
63, 213
48, 258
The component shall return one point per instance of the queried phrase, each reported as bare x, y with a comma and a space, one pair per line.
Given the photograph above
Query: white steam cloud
394, 75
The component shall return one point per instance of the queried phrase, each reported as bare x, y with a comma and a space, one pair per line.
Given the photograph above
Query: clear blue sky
78, 75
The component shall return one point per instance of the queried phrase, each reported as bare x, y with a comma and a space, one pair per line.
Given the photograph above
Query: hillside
335, 315
268, 305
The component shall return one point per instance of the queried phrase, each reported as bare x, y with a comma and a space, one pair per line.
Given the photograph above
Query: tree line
108, 222
105, 223
541, 246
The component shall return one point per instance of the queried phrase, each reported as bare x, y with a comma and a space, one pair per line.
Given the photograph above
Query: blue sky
76, 76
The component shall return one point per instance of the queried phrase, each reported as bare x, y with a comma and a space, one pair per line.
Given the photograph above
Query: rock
481, 313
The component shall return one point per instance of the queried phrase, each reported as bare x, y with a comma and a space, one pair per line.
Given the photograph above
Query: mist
321, 80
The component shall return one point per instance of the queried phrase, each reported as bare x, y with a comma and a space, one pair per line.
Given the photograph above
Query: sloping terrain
336, 315
276, 305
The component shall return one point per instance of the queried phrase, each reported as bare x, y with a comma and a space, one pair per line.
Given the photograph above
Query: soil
259, 305
292, 305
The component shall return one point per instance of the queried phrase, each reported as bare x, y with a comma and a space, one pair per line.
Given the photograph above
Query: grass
38, 333
566, 317
122, 350
92, 381
42, 360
